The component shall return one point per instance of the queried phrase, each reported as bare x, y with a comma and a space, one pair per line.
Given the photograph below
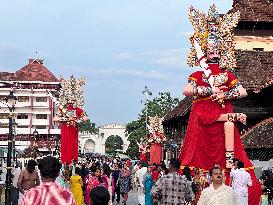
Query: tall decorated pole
70, 107
146, 92
156, 139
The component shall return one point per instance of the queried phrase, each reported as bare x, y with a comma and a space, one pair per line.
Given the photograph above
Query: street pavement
132, 199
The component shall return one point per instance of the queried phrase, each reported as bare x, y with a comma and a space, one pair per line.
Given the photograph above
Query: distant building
34, 110
254, 54
95, 143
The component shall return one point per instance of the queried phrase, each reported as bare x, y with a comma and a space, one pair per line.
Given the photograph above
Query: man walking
29, 177
140, 174
15, 191
172, 188
217, 193
49, 192
115, 177
240, 180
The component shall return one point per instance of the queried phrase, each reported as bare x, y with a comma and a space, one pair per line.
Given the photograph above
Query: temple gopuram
254, 54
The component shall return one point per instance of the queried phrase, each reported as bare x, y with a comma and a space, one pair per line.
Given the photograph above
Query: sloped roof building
254, 54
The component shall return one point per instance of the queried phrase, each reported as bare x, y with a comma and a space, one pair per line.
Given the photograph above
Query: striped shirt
48, 193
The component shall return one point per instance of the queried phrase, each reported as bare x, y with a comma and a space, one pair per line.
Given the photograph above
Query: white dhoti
141, 196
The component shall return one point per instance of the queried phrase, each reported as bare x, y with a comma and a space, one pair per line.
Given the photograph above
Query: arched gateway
96, 142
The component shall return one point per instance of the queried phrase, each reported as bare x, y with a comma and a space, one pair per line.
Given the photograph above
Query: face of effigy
213, 43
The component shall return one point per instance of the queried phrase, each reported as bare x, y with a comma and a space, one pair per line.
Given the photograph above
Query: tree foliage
112, 144
88, 127
136, 129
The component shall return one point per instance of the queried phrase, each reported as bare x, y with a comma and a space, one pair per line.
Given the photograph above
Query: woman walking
76, 186
93, 181
148, 184
124, 181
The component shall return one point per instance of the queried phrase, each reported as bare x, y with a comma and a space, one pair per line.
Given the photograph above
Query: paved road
132, 199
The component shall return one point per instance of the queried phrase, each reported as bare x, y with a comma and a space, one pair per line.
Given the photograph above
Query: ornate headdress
71, 92
156, 124
213, 31
156, 130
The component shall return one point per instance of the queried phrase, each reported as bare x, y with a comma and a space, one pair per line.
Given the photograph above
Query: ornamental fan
156, 124
222, 32
72, 92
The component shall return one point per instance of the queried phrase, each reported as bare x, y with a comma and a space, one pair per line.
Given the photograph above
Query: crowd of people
104, 181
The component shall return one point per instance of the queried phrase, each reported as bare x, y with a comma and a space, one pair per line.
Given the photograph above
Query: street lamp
146, 92
14, 126
10, 102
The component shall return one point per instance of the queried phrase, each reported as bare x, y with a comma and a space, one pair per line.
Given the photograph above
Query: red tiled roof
5, 76
253, 10
34, 71
181, 109
255, 69
259, 136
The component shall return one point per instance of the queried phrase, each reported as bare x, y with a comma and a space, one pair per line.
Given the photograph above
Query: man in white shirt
240, 180
217, 193
139, 174
16, 171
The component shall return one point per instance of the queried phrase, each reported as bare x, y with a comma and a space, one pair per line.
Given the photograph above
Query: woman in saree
148, 184
76, 186
94, 180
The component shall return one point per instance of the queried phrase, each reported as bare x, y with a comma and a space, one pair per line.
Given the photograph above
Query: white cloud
124, 56
169, 57
138, 73
185, 33
169, 61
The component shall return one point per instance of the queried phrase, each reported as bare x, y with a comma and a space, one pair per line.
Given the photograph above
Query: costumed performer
211, 137
156, 139
70, 113
143, 151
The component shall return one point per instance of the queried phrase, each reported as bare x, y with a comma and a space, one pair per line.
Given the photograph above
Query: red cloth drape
143, 157
69, 139
204, 143
69, 143
155, 153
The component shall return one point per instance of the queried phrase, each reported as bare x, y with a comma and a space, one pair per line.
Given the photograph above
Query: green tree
112, 144
136, 129
88, 127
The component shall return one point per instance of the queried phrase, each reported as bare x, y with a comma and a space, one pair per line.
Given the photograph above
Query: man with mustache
29, 177
217, 193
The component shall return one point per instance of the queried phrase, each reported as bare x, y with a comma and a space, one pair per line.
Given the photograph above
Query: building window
22, 116
40, 127
22, 126
41, 116
258, 49
41, 99
23, 99
4, 115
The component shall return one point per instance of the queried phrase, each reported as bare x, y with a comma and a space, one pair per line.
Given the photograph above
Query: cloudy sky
118, 45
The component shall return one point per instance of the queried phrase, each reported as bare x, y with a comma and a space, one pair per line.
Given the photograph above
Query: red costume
155, 153
204, 143
69, 137
143, 154
156, 140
